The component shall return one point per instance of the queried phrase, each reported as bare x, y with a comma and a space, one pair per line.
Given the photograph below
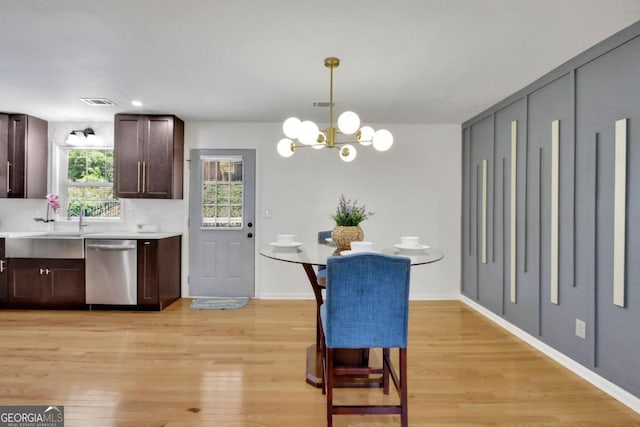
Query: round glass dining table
316, 256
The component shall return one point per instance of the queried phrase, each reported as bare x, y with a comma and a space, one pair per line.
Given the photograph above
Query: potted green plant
348, 217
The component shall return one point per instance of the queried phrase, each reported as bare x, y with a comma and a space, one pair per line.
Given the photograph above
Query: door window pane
222, 193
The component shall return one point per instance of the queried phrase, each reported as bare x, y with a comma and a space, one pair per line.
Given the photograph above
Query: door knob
250, 235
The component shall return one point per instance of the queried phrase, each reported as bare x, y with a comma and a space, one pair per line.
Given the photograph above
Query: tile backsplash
169, 215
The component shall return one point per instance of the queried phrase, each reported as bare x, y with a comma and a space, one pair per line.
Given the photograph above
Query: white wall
414, 188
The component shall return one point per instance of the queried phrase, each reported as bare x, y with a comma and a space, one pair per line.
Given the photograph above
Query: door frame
249, 215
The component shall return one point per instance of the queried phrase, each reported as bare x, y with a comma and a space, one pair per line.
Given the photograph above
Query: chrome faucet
81, 222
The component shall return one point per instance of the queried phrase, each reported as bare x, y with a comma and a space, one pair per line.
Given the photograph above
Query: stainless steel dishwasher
111, 272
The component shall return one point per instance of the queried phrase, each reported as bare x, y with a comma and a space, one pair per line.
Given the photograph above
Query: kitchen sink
61, 235
45, 245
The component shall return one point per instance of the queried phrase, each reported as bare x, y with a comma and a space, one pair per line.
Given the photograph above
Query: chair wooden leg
386, 354
323, 352
328, 383
404, 415
324, 373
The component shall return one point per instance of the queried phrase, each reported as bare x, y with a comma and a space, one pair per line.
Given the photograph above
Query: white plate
350, 252
406, 248
285, 244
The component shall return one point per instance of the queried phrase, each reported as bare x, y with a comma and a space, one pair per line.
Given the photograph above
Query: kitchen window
88, 183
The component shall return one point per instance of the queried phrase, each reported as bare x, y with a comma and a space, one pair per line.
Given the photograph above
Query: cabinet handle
138, 186
144, 175
45, 271
42, 271
2, 265
8, 177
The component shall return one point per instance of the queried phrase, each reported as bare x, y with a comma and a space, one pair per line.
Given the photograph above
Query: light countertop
89, 235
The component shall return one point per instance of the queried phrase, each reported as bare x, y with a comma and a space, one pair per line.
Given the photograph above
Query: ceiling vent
323, 104
98, 102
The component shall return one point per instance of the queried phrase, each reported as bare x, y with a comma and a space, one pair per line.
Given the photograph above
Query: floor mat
219, 303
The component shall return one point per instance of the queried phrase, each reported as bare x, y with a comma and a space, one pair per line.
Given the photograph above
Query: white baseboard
305, 296
603, 384
431, 297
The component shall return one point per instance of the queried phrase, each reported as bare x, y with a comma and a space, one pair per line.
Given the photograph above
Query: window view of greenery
90, 184
222, 189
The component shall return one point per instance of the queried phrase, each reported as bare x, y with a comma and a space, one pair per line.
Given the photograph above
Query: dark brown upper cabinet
148, 156
24, 151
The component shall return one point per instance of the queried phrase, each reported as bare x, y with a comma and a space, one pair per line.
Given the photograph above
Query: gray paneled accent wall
569, 208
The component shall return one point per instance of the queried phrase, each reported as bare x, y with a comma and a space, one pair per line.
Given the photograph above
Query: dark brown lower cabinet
45, 283
4, 274
159, 274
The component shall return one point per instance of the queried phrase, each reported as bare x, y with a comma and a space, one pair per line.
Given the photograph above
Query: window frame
59, 186
215, 204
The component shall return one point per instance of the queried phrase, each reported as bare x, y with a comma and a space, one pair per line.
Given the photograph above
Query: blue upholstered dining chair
322, 271
367, 306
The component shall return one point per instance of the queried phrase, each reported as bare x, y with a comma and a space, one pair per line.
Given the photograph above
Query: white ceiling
403, 61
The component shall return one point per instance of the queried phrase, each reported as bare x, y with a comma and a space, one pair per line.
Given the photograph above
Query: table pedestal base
342, 357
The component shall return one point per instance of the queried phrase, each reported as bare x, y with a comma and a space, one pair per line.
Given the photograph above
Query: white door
221, 222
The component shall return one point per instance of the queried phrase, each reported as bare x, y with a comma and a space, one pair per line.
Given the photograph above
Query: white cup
410, 241
361, 246
285, 238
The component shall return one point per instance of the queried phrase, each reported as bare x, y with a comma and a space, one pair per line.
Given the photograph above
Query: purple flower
348, 213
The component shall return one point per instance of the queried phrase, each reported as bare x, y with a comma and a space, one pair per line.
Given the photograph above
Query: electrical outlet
581, 329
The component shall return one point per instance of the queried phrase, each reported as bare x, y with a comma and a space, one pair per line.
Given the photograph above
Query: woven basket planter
343, 235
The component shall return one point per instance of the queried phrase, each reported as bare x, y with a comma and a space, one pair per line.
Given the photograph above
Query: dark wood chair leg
328, 381
404, 415
323, 351
386, 354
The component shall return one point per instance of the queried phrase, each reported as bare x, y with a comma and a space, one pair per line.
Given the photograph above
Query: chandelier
308, 134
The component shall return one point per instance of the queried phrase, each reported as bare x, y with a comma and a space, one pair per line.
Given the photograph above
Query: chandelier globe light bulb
285, 148
291, 127
382, 140
348, 122
365, 136
348, 153
308, 132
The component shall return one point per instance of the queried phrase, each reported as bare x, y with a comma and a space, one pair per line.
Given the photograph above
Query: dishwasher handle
111, 247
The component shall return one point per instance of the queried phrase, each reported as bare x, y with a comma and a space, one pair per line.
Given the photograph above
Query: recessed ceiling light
136, 103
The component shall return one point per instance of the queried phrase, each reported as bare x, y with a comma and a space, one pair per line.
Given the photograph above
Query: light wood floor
184, 367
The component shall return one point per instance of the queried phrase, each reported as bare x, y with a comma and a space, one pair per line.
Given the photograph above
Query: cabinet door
4, 151
128, 139
16, 155
25, 282
148, 289
64, 283
36, 158
158, 157
27, 157
45, 283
